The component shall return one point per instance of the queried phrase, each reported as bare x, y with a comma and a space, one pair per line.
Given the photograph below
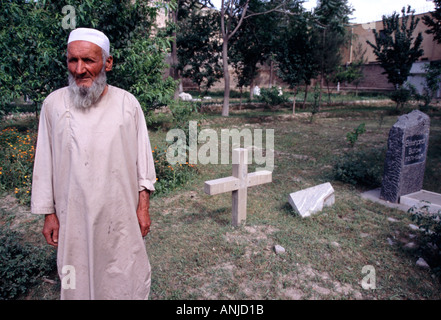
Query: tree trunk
320, 93
252, 89
271, 73
329, 92
226, 105
240, 100
294, 101
306, 95
174, 56
322, 71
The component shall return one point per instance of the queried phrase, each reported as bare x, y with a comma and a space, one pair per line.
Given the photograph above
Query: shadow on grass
221, 216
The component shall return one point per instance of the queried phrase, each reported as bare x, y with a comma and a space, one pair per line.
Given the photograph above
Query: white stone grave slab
423, 198
312, 200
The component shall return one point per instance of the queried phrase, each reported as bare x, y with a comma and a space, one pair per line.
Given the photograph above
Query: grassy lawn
196, 254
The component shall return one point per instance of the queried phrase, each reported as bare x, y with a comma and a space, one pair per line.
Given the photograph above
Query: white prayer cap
91, 35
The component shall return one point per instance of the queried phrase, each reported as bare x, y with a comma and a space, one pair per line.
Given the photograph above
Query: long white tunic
90, 165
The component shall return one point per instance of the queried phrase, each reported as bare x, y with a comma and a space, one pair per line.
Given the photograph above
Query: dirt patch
16, 215
307, 283
250, 236
231, 280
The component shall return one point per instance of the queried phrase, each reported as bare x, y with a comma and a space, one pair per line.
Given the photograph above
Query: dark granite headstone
406, 156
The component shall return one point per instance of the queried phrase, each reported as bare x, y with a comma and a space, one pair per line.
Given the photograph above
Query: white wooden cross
238, 184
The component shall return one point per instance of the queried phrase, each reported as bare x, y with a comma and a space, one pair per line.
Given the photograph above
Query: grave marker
406, 156
238, 184
312, 200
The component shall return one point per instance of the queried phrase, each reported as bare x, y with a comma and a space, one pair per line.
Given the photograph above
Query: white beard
83, 97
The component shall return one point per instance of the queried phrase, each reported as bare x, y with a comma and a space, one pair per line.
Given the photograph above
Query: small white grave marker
311, 200
238, 184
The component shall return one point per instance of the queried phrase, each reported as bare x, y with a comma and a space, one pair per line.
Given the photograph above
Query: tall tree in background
433, 70
397, 49
252, 45
198, 48
433, 21
33, 45
178, 15
332, 17
31, 60
356, 67
352, 72
232, 15
296, 52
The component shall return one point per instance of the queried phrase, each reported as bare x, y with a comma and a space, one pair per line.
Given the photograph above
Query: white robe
90, 165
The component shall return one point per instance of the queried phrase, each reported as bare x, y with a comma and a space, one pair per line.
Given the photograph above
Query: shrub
272, 96
16, 162
352, 137
160, 120
401, 96
170, 177
362, 167
184, 112
21, 264
431, 224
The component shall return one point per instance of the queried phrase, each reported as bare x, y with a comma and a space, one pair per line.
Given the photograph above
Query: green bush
401, 96
362, 167
157, 121
21, 264
16, 162
352, 137
183, 112
272, 96
169, 177
431, 224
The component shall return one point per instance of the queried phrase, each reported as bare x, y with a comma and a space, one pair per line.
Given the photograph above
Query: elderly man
93, 175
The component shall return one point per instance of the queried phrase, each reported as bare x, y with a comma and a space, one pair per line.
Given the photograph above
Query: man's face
85, 61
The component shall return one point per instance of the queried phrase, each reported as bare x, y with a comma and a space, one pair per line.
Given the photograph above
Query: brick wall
373, 80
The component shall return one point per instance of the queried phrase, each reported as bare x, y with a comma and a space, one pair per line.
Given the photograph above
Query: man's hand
50, 229
143, 212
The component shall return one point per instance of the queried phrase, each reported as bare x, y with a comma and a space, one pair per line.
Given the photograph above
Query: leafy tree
252, 45
433, 21
33, 43
198, 49
296, 52
331, 59
245, 66
31, 60
396, 50
357, 66
232, 15
431, 84
177, 14
433, 75
352, 72
332, 17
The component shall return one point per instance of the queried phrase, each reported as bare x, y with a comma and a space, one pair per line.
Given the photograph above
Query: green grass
324, 254
195, 253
